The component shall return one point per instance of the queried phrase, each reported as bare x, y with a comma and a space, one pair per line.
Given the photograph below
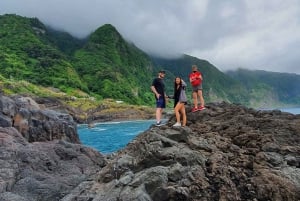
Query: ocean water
291, 110
109, 137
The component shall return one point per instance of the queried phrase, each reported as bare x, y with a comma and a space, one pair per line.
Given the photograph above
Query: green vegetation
40, 61
11, 87
25, 55
269, 88
103, 65
113, 68
77, 100
216, 85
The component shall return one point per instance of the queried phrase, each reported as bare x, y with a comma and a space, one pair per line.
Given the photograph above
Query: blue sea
291, 110
109, 137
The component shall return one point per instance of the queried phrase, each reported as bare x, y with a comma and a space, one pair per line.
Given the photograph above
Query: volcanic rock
226, 152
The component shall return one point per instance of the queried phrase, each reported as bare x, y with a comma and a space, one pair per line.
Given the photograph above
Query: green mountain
269, 88
64, 41
105, 65
217, 86
114, 68
27, 54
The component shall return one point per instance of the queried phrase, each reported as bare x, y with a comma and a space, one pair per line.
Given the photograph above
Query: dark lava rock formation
226, 152
41, 157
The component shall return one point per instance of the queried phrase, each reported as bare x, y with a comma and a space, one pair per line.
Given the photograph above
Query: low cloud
253, 34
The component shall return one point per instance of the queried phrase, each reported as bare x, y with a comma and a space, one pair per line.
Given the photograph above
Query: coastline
292, 110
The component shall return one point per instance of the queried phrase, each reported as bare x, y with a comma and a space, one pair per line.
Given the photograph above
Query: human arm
183, 84
197, 76
191, 78
154, 91
194, 76
200, 76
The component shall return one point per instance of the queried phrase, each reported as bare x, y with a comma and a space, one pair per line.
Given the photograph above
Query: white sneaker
177, 124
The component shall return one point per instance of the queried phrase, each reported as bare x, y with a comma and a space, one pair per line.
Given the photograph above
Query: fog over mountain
252, 34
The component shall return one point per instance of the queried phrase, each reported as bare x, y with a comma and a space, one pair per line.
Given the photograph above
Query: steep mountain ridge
269, 87
114, 68
105, 65
27, 55
217, 86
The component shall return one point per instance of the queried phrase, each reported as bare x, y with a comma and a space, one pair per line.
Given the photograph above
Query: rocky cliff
108, 110
41, 157
226, 152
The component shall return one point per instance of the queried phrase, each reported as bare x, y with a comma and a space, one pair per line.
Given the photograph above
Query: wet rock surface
226, 152
34, 123
101, 113
41, 157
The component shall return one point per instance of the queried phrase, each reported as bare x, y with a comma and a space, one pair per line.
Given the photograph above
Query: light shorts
160, 102
197, 88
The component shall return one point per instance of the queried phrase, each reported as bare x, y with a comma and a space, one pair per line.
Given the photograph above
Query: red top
195, 78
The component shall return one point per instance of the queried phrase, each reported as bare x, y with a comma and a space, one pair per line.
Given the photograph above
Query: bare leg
183, 113
158, 114
201, 98
195, 99
176, 110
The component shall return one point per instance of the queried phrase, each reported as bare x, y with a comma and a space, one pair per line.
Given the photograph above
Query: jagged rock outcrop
36, 124
41, 157
102, 113
226, 152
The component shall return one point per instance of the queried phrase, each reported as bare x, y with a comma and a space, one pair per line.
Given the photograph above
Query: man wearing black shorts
158, 88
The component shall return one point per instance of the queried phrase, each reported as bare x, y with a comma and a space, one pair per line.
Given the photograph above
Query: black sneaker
158, 123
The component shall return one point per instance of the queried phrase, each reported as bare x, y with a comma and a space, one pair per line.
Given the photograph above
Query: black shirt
159, 85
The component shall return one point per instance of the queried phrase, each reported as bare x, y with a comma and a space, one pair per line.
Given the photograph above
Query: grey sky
253, 34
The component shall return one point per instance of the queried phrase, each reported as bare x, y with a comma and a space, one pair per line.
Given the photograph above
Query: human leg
177, 114
183, 114
160, 105
158, 114
201, 100
195, 101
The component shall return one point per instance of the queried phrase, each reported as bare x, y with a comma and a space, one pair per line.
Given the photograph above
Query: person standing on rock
180, 101
158, 88
196, 82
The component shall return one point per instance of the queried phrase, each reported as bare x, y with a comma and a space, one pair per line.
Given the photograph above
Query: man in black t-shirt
158, 88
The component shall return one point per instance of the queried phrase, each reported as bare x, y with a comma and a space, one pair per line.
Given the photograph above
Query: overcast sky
253, 34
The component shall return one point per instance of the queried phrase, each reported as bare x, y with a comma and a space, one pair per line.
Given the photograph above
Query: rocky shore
111, 111
41, 157
226, 152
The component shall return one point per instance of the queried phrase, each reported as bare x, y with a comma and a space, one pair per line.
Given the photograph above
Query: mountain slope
217, 86
113, 68
105, 65
269, 88
64, 41
25, 54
